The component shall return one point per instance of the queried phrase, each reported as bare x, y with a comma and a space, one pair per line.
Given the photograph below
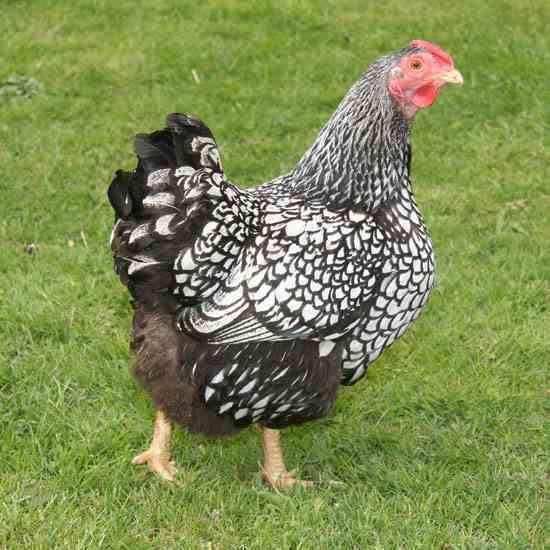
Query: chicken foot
157, 457
274, 470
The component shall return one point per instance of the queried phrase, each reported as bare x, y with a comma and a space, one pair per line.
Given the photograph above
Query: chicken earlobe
157, 456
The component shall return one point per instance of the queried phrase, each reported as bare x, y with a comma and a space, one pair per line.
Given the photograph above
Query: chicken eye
415, 65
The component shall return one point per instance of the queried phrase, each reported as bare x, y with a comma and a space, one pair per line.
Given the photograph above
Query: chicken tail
185, 142
156, 215
179, 224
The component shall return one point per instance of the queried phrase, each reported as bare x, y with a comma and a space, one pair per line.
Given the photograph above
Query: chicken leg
274, 470
157, 457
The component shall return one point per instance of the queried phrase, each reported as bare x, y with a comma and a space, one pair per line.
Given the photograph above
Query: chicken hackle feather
256, 305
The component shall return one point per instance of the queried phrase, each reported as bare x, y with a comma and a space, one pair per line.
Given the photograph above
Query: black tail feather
176, 145
153, 222
119, 195
184, 124
155, 150
169, 148
190, 135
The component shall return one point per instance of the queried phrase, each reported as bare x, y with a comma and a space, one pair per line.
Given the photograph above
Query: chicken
254, 306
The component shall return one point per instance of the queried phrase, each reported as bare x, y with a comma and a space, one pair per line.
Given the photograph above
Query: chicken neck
360, 158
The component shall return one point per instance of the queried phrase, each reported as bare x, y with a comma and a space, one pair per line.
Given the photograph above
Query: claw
157, 457
157, 463
274, 471
284, 480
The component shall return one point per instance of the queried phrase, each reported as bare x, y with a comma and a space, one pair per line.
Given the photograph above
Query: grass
443, 447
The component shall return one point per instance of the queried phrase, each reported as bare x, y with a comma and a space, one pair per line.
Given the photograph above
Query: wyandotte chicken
253, 306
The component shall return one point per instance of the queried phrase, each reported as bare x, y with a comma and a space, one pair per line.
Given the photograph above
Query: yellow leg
274, 470
157, 457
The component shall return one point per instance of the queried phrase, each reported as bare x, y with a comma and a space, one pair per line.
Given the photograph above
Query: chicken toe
274, 471
283, 479
157, 463
157, 457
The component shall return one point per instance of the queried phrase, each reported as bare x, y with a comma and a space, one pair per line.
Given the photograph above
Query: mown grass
443, 446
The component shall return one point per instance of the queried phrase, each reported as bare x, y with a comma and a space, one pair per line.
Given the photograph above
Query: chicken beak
452, 77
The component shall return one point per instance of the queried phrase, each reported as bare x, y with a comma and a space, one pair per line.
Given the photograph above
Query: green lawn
443, 446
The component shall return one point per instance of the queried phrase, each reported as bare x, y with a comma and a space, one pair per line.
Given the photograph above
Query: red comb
433, 49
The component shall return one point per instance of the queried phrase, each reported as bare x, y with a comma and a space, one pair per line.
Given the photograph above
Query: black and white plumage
255, 305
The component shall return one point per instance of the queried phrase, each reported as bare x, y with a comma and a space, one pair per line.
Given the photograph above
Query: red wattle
424, 96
